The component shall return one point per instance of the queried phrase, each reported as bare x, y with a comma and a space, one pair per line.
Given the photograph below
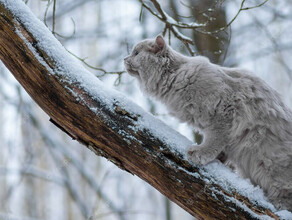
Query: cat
238, 113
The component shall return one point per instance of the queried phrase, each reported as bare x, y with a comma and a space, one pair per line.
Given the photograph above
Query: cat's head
145, 55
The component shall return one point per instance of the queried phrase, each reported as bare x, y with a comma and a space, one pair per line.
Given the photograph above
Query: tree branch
110, 125
243, 9
173, 25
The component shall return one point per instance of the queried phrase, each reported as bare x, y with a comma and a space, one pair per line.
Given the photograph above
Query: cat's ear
159, 45
160, 42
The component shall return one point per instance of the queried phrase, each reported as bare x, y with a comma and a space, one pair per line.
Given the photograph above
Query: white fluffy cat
238, 113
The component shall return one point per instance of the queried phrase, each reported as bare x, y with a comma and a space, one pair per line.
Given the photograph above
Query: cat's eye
136, 52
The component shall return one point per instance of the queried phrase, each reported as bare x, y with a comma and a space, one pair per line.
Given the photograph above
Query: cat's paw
199, 155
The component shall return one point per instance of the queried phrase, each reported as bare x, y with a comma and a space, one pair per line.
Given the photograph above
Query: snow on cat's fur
238, 113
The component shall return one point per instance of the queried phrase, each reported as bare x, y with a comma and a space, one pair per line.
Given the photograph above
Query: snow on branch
167, 19
172, 24
114, 127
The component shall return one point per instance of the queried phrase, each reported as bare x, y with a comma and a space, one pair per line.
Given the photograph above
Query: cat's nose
126, 59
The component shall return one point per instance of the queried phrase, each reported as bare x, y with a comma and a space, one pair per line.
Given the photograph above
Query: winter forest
48, 174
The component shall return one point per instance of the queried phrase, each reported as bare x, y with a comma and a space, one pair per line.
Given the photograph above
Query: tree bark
106, 131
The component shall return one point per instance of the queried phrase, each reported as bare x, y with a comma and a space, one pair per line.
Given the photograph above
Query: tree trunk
109, 131
213, 46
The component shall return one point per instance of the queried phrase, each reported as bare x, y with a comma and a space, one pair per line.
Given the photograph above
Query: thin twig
70, 36
275, 46
95, 68
237, 14
46, 12
164, 17
54, 16
172, 25
75, 195
140, 15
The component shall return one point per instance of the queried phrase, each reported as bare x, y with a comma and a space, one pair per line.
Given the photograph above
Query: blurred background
46, 175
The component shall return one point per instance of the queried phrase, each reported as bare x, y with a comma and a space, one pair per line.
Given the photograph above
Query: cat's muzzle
129, 68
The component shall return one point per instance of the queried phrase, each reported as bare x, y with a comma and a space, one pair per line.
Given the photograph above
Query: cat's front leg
215, 140
201, 155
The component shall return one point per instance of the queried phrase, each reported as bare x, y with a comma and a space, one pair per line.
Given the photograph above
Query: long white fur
238, 113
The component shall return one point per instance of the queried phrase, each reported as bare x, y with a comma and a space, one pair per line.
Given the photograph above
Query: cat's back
259, 107
203, 76
256, 93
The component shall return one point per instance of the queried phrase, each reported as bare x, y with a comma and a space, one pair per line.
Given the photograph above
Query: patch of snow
39, 58
244, 207
284, 214
230, 181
